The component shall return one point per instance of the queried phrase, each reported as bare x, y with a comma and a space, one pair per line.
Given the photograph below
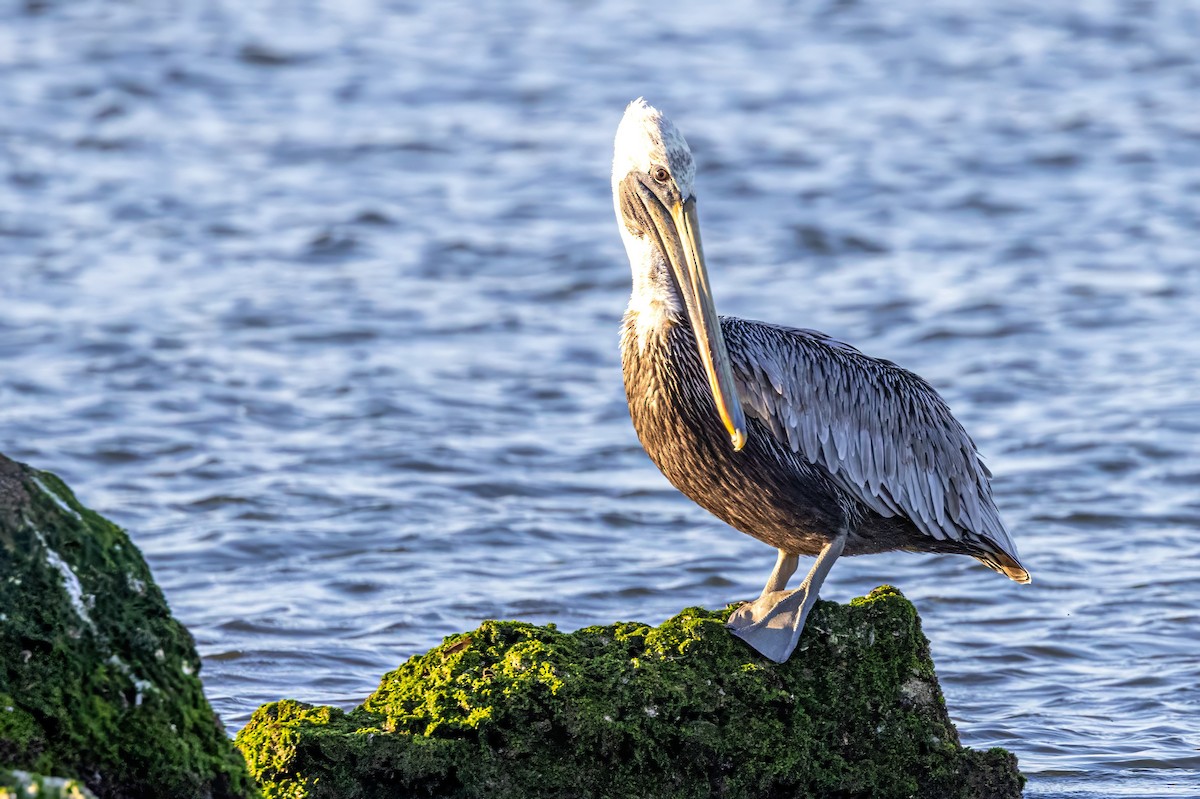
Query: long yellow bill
679, 232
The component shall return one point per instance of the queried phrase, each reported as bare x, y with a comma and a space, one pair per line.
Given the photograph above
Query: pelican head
655, 202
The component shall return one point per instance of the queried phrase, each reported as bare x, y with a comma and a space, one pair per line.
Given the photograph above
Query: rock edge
97, 681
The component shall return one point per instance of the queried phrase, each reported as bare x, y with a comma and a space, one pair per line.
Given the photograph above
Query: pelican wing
881, 431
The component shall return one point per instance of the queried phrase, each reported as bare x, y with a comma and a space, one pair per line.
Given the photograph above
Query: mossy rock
513, 710
97, 680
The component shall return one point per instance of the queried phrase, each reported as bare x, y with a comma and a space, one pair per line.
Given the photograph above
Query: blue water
320, 300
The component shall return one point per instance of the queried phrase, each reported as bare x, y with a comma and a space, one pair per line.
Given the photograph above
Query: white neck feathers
653, 303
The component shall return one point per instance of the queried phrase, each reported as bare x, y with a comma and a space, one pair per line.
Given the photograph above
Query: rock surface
23, 785
680, 710
97, 680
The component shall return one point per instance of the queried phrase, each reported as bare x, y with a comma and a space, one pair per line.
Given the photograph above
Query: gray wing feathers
884, 434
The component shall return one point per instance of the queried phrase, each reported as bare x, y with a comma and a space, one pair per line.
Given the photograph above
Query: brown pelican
786, 434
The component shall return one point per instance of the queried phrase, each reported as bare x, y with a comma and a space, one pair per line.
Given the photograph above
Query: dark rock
97, 680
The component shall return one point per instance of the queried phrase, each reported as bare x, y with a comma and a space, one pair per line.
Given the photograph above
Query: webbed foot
772, 623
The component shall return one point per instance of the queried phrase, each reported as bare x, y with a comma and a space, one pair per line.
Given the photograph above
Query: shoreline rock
97, 681
679, 710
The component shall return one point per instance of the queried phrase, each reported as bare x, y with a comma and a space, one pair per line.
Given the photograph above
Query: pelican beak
678, 231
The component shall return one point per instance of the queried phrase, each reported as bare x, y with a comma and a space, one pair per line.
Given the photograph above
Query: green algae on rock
97, 680
679, 710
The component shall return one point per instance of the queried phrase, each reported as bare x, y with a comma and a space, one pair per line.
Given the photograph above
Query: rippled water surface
320, 299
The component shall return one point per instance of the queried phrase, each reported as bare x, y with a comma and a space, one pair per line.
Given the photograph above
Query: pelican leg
785, 567
772, 623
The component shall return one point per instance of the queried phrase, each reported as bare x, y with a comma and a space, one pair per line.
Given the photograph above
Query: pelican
785, 434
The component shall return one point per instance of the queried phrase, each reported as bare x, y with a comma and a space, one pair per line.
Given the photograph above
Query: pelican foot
772, 623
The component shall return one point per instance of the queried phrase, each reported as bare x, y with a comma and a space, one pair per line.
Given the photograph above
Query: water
320, 301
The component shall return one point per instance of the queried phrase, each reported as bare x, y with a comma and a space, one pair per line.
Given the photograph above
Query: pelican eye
660, 174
